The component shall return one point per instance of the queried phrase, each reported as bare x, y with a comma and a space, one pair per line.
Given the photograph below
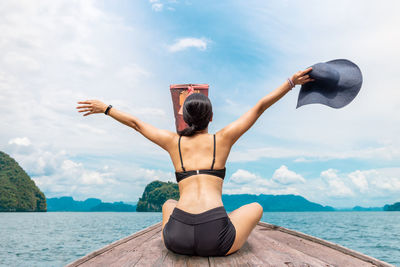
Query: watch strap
108, 109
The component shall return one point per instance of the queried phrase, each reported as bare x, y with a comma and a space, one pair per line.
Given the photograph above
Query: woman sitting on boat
198, 223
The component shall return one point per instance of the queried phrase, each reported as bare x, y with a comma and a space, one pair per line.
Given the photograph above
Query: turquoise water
57, 238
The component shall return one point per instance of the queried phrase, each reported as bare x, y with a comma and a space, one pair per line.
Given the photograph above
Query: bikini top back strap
212, 166
180, 154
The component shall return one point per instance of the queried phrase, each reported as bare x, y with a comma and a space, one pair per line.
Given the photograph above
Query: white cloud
242, 177
301, 159
359, 180
378, 182
37, 160
329, 174
20, 141
363, 187
245, 182
314, 153
188, 42
285, 176
336, 186
157, 7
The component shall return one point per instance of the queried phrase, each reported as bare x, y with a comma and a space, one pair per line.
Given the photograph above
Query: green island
155, 194
18, 192
393, 207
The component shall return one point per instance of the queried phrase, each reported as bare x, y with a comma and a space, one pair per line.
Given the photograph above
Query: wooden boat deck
267, 245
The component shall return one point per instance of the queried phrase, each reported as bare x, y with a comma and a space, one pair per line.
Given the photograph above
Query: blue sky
127, 53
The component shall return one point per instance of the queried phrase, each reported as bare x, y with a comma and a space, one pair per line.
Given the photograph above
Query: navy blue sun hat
336, 83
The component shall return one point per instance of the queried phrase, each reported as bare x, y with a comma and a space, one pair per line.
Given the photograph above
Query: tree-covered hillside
155, 194
393, 207
17, 191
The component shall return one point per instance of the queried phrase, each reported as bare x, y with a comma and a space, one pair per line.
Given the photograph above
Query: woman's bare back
201, 192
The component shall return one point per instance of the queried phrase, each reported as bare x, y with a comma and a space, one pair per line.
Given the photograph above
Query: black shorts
210, 233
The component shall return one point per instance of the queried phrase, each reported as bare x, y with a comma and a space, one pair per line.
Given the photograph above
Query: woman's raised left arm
161, 137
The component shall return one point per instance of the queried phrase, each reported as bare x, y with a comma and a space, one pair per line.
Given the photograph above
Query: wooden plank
139, 236
146, 254
329, 244
178, 260
327, 254
130, 251
277, 253
243, 257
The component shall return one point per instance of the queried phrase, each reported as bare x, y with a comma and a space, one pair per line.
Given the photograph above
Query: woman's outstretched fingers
306, 70
88, 113
308, 80
91, 106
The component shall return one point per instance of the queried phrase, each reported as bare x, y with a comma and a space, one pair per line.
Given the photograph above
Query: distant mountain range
231, 202
359, 208
273, 202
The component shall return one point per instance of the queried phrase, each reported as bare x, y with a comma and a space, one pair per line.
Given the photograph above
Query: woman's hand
91, 107
301, 77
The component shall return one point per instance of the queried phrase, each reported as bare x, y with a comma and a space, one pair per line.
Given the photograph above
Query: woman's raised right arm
234, 130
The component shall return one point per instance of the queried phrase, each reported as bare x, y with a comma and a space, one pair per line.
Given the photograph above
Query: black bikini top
184, 174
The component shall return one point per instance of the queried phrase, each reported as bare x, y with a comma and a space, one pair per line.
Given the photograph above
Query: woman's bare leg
244, 219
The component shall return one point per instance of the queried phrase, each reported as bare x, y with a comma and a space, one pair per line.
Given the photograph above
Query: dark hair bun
197, 113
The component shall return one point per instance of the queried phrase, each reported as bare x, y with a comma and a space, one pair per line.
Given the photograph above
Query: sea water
58, 238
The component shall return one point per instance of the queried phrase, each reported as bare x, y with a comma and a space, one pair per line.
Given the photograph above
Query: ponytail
188, 131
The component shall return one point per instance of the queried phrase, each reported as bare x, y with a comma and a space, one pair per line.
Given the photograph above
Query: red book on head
179, 92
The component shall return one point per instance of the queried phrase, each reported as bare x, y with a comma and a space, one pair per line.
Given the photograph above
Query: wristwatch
108, 109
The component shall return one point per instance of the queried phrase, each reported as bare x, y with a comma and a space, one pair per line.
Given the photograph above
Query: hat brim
348, 86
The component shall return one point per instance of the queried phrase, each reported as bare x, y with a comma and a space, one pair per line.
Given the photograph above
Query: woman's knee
258, 208
169, 202
258, 205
